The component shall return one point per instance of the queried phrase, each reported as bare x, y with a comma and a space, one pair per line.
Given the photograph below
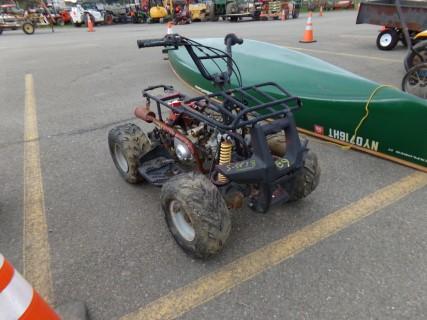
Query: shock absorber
224, 157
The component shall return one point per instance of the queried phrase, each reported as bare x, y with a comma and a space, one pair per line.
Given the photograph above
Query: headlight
181, 150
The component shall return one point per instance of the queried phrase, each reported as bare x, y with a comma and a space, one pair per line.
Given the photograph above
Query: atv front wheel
196, 214
127, 143
306, 180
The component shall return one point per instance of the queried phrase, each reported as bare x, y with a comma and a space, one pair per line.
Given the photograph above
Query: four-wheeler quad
213, 151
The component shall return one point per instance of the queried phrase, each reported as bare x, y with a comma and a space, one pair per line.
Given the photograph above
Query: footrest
158, 170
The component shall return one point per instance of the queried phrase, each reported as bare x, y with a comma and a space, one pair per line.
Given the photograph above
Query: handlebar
231, 39
150, 43
173, 41
166, 41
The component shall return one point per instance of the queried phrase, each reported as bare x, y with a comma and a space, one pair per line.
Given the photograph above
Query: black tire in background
196, 214
1, 31
412, 58
60, 22
28, 28
387, 39
127, 143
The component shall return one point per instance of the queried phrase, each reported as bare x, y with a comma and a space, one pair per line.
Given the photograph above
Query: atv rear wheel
127, 143
196, 214
306, 180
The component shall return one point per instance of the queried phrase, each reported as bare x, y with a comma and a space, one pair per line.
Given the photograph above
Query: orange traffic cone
308, 33
89, 24
321, 11
18, 300
169, 30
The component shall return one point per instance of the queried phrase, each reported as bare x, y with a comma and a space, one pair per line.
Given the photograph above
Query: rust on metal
384, 13
149, 116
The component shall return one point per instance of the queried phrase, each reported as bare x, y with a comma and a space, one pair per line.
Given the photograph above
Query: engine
203, 137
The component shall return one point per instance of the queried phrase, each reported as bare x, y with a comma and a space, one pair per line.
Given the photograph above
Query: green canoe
334, 100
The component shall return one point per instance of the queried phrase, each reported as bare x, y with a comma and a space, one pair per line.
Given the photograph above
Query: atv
213, 152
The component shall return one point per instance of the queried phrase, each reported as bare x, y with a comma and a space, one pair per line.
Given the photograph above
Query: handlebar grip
151, 43
232, 39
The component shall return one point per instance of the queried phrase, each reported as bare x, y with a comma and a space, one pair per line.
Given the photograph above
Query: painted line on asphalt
356, 36
345, 54
184, 299
36, 262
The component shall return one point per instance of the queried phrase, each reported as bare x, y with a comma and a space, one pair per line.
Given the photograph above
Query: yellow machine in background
199, 11
160, 9
421, 35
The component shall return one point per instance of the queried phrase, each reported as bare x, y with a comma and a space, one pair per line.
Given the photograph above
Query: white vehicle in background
80, 13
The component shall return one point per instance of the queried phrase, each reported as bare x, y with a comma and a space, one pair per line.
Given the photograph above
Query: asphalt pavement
109, 244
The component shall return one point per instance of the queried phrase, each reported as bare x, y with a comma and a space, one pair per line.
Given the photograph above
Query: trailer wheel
413, 59
196, 214
387, 39
1, 31
127, 143
60, 22
28, 28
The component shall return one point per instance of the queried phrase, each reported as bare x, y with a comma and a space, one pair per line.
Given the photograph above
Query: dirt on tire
132, 142
206, 209
307, 180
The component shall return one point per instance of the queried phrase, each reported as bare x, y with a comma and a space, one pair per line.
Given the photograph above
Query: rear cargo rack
237, 108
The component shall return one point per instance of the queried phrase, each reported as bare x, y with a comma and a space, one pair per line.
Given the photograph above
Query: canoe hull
334, 100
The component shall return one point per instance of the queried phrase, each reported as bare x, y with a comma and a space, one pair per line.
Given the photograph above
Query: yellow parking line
36, 246
212, 285
345, 54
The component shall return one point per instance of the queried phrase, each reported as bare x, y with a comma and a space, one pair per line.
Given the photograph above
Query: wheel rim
182, 221
28, 28
385, 40
120, 158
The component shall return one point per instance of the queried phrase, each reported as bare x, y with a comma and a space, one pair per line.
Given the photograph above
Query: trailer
385, 13
13, 18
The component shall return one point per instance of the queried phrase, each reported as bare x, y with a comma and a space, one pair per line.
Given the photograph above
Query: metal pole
404, 26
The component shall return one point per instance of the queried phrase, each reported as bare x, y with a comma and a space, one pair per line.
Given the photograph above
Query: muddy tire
413, 59
127, 143
307, 180
196, 214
